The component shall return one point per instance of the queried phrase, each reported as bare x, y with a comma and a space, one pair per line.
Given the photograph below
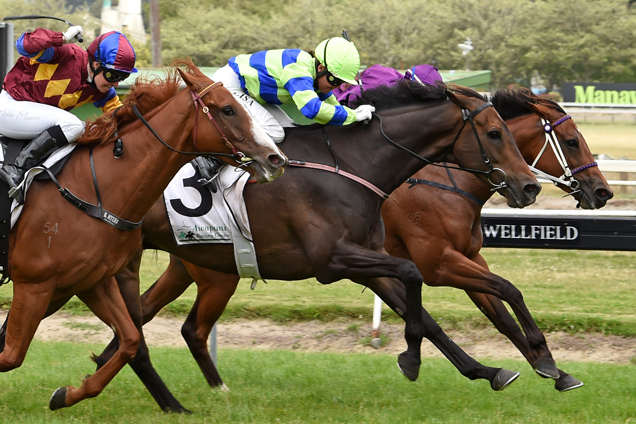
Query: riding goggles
111, 75
334, 81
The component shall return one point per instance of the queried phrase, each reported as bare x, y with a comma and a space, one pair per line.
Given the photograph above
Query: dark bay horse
313, 223
57, 250
438, 229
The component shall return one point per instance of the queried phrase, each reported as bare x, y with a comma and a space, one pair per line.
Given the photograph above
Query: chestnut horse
58, 250
313, 223
434, 220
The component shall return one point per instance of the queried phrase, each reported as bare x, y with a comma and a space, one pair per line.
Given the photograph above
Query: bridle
567, 179
466, 116
197, 98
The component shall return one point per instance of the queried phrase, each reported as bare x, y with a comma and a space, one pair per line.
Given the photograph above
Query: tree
517, 40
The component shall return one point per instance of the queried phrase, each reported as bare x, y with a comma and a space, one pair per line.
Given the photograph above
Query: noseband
567, 179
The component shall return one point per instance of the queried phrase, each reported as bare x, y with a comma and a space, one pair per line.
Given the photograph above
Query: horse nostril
276, 160
603, 194
533, 188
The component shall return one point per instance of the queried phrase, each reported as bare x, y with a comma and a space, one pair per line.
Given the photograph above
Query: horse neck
427, 131
528, 133
147, 165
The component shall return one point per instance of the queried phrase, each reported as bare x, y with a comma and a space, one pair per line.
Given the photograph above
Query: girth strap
89, 208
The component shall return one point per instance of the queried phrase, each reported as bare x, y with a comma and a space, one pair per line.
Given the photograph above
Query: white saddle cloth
199, 216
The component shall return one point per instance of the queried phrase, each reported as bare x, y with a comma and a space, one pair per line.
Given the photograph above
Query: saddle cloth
56, 156
199, 216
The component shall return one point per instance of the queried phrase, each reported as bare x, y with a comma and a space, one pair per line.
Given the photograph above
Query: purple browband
548, 127
561, 120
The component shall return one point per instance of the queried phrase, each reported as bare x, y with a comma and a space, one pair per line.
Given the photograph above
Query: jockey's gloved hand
72, 32
363, 112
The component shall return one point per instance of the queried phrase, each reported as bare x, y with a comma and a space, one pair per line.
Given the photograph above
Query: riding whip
16, 18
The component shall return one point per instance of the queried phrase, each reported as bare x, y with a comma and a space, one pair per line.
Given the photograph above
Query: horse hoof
567, 383
546, 369
408, 367
223, 388
376, 342
58, 399
502, 379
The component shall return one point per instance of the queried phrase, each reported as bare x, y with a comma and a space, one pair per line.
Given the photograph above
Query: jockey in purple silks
377, 75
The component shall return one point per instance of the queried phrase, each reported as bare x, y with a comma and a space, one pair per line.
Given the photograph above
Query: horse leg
105, 300
128, 283
214, 292
456, 270
28, 308
165, 290
393, 293
53, 307
353, 261
497, 313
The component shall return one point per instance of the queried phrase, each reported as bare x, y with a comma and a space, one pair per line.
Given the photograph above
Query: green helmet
340, 57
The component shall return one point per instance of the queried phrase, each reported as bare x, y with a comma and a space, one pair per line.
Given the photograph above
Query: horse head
569, 157
500, 163
221, 113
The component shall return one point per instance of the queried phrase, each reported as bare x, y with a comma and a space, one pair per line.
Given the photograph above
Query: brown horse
445, 242
57, 250
312, 223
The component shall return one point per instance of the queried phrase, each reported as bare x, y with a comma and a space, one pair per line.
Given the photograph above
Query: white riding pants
25, 120
269, 116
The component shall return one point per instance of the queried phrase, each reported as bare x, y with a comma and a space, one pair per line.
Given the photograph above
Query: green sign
600, 93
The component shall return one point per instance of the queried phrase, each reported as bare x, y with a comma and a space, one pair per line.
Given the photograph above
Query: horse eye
494, 135
572, 143
227, 110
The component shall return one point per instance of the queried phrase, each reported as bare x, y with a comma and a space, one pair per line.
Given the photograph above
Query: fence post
376, 342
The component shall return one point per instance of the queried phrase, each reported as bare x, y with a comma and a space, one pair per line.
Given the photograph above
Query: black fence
608, 230
6, 49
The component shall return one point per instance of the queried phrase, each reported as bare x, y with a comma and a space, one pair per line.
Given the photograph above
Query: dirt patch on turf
348, 337
340, 337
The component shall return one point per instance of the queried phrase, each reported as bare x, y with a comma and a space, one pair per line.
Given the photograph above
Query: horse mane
147, 93
407, 92
514, 103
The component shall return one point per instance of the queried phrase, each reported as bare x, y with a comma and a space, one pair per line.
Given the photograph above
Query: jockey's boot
30, 156
209, 168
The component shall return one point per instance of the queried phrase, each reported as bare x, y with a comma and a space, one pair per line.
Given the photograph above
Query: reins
454, 188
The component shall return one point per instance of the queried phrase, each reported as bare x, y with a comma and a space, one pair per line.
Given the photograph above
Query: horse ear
186, 77
452, 97
538, 109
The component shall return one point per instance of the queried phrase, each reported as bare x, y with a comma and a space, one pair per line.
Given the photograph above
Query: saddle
11, 148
